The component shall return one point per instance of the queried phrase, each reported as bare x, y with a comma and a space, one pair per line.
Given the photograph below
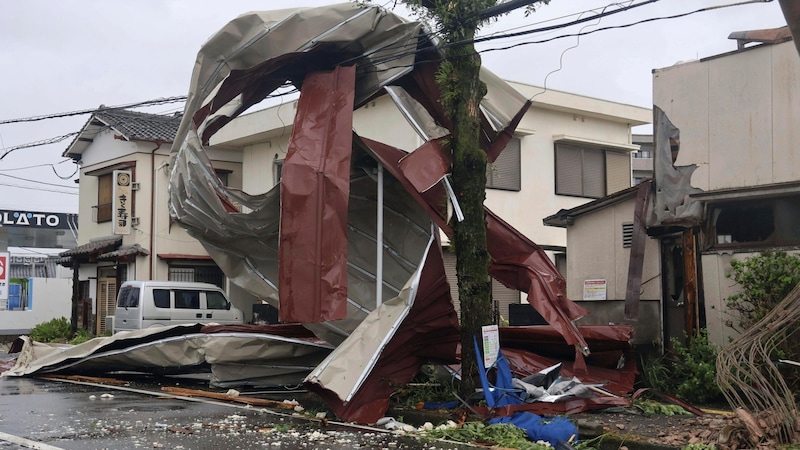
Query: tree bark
469, 179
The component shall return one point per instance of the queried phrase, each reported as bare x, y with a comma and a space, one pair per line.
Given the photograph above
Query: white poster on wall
121, 214
594, 289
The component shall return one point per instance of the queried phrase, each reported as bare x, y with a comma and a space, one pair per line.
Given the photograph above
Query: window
103, 210
197, 273
504, 172
593, 172
187, 299
128, 297
223, 174
161, 298
104, 198
754, 223
215, 300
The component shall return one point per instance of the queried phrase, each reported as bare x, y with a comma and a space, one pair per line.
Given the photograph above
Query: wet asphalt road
64, 415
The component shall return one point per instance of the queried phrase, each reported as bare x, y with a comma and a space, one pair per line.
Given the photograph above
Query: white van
145, 304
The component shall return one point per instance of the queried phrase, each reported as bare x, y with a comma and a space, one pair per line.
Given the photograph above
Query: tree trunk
469, 179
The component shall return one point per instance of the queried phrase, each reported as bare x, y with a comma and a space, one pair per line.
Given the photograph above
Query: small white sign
121, 214
594, 289
491, 344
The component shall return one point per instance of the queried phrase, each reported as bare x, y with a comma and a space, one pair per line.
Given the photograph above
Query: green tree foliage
765, 280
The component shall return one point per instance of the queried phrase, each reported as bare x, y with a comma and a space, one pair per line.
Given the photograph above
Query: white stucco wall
50, 299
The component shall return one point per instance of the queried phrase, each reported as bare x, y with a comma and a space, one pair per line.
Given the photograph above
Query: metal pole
379, 242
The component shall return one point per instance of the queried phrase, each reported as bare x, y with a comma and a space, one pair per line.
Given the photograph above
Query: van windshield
216, 300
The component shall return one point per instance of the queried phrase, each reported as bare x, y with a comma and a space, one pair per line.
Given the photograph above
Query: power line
158, 101
37, 189
37, 181
49, 141
35, 166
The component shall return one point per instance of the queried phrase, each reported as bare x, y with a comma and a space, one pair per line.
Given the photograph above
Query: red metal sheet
314, 195
520, 264
517, 262
430, 333
608, 342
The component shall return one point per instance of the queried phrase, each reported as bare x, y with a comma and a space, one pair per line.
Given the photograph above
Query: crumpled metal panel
180, 349
672, 204
249, 59
517, 262
520, 264
315, 185
418, 325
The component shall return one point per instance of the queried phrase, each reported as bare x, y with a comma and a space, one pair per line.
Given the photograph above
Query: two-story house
125, 229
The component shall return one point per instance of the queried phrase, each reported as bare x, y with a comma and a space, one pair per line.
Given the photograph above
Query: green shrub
688, 371
81, 336
56, 330
695, 369
765, 280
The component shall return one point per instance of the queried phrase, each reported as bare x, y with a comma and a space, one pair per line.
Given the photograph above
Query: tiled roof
125, 250
93, 247
137, 125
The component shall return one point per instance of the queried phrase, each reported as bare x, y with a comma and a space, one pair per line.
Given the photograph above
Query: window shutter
594, 182
504, 296
568, 170
618, 171
504, 173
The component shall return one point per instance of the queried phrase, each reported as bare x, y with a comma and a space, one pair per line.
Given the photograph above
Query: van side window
161, 298
215, 300
128, 297
187, 299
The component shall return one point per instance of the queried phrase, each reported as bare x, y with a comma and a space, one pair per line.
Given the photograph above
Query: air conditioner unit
135, 186
135, 222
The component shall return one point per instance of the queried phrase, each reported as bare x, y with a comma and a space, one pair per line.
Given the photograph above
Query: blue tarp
503, 393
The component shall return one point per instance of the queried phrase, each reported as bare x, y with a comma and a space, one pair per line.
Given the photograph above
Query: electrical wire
158, 101
35, 166
37, 181
36, 188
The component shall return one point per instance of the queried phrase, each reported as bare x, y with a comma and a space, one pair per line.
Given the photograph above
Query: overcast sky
69, 55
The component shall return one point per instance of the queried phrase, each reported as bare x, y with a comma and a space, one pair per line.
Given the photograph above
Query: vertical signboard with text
4, 268
122, 212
